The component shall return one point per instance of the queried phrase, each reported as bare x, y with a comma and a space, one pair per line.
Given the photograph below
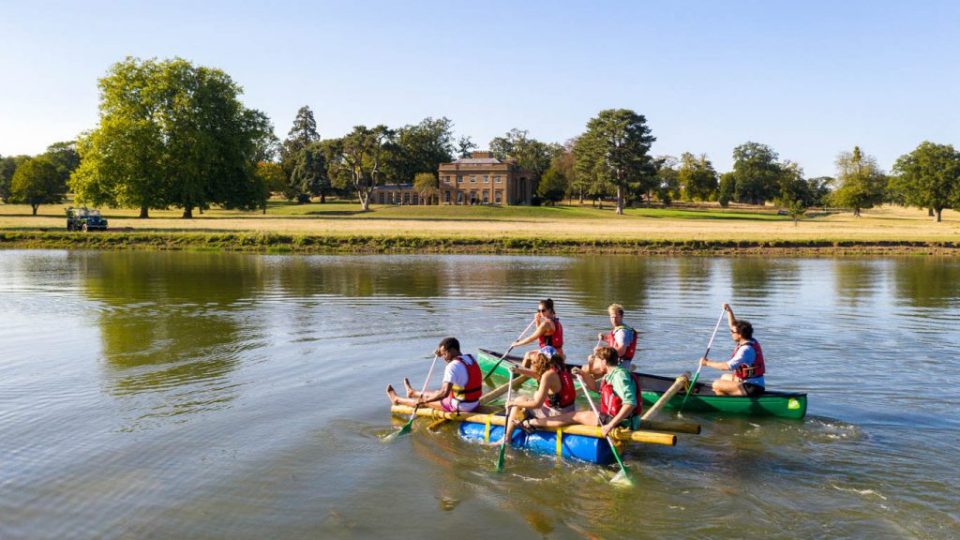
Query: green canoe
780, 404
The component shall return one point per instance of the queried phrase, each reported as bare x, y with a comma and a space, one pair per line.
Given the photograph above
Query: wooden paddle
621, 477
494, 368
503, 440
696, 375
406, 427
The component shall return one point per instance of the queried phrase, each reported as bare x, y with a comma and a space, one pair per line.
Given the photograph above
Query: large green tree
421, 148
756, 172
360, 159
727, 188
668, 179
8, 166
532, 155
298, 162
929, 177
615, 150
37, 182
427, 186
698, 177
171, 134
308, 173
861, 182
63, 156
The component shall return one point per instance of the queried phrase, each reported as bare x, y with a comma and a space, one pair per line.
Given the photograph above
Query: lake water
198, 395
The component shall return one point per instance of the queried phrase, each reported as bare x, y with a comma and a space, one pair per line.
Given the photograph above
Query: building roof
480, 161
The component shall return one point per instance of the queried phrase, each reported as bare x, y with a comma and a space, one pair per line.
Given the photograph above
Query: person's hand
726, 307
514, 344
515, 370
575, 371
599, 337
703, 361
606, 429
537, 319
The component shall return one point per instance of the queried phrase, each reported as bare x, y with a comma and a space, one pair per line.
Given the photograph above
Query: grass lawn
568, 223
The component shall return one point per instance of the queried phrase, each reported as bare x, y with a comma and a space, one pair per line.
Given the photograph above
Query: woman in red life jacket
556, 393
619, 398
746, 363
460, 390
549, 331
621, 338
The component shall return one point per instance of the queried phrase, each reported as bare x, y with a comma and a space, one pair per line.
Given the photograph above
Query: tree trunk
35, 206
144, 212
856, 212
323, 197
365, 202
201, 210
939, 212
188, 212
619, 200
929, 212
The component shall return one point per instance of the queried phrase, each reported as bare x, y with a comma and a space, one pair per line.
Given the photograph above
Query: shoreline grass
340, 227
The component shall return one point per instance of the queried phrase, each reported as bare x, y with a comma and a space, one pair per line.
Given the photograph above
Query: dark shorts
752, 389
625, 423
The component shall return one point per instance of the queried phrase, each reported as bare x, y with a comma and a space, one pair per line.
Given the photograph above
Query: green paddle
494, 368
503, 440
621, 477
696, 375
406, 427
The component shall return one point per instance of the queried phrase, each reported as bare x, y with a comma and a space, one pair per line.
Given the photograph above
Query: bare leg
728, 388
410, 391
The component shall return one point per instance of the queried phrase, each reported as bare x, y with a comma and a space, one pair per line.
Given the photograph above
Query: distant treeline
172, 134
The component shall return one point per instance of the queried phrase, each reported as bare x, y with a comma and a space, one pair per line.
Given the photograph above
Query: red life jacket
567, 394
631, 347
758, 368
555, 339
610, 402
474, 387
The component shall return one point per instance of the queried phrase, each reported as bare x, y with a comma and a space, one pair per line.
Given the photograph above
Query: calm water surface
170, 395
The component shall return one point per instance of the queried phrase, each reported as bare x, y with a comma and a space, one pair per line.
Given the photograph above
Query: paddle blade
396, 434
621, 479
500, 458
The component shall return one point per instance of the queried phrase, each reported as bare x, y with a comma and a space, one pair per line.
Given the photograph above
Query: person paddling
746, 362
620, 401
460, 390
622, 338
556, 393
549, 331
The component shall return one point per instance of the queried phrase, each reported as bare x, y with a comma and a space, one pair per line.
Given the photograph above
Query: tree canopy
698, 177
614, 151
35, 182
171, 134
929, 177
421, 148
756, 173
359, 160
532, 155
861, 182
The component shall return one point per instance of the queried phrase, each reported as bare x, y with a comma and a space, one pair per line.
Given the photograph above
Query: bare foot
410, 391
392, 394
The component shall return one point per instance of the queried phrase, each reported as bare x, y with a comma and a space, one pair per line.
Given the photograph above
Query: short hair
548, 303
450, 344
608, 355
617, 308
744, 328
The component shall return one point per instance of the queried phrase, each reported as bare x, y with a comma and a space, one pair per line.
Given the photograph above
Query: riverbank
342, 228
302, 243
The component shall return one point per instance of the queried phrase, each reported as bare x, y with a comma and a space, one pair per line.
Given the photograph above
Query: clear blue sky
809, 78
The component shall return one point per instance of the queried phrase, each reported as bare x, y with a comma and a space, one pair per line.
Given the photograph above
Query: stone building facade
484, 179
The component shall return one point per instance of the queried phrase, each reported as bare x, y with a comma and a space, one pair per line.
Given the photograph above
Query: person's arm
540, 331
620, 341
625, 410
722, 366
731, 320
437, 395
627, 392
540, 396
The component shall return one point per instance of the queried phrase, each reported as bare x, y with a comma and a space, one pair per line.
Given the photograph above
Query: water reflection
929, 282
171, 326
856, 280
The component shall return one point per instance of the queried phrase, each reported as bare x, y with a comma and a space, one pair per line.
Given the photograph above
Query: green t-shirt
624, 388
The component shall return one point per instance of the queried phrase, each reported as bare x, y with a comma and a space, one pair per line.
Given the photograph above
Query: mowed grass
565, 222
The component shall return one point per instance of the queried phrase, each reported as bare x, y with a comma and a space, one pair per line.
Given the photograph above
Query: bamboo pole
625, 435
679, 383
486, 398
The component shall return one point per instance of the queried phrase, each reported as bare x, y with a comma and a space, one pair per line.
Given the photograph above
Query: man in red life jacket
746, 362
460, 390
549, 331
620, 399
621, 338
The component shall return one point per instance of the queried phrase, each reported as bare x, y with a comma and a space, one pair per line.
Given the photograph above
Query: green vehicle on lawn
84, 219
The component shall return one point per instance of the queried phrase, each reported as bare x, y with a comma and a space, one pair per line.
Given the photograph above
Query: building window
406, 198
497, 196
473, 179
380, 196
446, 179
486, 179
497, 180
446, 197
473, 197
459, 197
459, 179
486, 197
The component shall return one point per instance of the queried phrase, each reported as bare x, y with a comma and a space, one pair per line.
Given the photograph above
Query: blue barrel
589, 449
